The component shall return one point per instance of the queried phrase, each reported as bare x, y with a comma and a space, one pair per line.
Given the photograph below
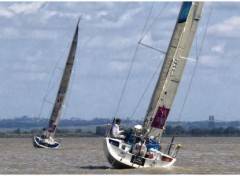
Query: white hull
118, 155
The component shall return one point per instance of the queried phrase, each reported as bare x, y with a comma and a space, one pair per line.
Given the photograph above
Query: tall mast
172, 69
61, 95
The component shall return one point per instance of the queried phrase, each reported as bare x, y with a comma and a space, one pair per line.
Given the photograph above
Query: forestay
172, 68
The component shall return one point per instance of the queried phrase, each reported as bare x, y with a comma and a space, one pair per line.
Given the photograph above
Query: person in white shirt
44, 133
116, 132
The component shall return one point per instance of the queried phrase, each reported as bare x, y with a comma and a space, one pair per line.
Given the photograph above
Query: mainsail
61, 95
172, 68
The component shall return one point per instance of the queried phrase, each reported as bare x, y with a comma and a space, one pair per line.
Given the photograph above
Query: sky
36, 35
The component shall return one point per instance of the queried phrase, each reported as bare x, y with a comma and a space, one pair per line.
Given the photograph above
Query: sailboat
144, 148
48, 140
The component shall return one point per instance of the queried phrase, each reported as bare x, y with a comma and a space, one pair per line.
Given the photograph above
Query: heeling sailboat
144, 150
48, 141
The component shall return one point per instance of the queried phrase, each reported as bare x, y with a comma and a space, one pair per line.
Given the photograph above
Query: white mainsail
61, 95
172, 68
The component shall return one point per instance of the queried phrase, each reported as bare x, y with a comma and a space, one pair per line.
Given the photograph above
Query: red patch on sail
167, 159
160, 118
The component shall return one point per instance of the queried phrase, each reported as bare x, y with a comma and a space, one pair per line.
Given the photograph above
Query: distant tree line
220, 131
25, 121
59, 133
101, 131
180, 131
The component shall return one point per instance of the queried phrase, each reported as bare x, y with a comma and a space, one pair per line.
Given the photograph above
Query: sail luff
61, 95
165, 68
172, 69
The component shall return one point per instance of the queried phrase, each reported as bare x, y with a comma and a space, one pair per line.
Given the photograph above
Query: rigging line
134, 56
56, 67
146, 88
47, 101
206, 29
129, 72
195, 67
51, 77
154, 21
151, 47
147, 21
58, 79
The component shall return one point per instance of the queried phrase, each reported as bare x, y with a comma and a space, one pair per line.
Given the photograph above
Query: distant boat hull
38, 142
118, 155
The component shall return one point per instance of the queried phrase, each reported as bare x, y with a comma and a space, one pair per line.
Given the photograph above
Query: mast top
79, 19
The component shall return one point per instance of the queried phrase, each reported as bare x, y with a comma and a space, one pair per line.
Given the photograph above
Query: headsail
172, 68
61, 95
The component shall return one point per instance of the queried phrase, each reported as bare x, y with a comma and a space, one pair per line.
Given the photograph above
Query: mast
61, 95
172, 69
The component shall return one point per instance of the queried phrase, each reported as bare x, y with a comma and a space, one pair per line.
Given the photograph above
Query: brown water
206, 155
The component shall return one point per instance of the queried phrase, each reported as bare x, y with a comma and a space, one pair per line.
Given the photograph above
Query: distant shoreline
98, 136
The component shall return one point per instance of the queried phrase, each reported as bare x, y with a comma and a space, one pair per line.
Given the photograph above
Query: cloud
44, 34
219, 48
102, 14
26, 8
228, 28
37, 34
225, 6
122, 20
118, 66
208, 60
9, 33
51, 14
5, 12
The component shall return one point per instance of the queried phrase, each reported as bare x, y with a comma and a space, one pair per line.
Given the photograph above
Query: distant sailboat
144, 150
48, 140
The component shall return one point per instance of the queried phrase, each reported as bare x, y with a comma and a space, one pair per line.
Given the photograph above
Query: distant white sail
172, 68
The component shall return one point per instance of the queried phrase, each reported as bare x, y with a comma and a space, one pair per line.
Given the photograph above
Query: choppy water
206, 155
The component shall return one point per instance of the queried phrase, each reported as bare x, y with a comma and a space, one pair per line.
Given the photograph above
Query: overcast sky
35, 35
